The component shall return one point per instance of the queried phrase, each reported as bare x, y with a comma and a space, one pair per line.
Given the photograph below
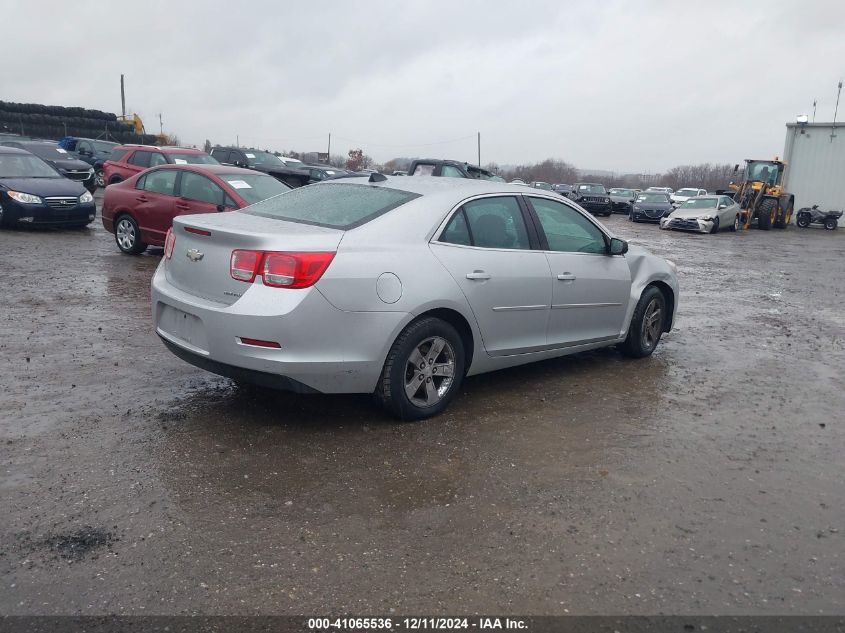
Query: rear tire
127, 235
830, 224
785, 217
410, 386
647, 324
765, 211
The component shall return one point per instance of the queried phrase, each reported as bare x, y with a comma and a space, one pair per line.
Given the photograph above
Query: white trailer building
814, 154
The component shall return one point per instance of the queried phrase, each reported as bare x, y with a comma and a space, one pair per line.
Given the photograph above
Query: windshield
293, 163
628, 193
700, 203
193, 159
337, 206
686, 192
656, 198
543, 185
764, 172
255, 187
25, 166
48, 151
263, 158
586, 188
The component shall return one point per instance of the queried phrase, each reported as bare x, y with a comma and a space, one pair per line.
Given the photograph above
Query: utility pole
237, 141
479, 149
122, 98
835, 112
160, 125
329, 150
815, 102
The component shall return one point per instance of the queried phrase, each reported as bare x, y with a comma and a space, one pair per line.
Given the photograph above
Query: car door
591, 289
155, 197
138, 162
198, 194
728, 210
487, 248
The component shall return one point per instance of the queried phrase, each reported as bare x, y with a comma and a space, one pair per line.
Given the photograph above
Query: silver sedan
704, 214
401, 287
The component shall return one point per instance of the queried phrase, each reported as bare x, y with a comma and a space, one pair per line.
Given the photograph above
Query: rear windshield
192, 159
254, 187
334, 205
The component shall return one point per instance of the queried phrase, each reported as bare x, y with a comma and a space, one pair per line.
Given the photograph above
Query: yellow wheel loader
761, 196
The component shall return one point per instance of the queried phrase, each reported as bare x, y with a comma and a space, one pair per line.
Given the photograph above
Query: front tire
128, 236
803, 220
766, 214
715, 228
423, 370
98, 178
737, 225
646, 324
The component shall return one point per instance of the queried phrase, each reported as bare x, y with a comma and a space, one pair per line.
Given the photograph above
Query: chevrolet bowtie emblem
194, 255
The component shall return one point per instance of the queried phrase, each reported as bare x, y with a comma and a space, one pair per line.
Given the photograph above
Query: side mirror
722, 206
617, 246
220, 208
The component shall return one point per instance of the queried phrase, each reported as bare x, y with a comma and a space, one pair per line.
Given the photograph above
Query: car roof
166, 149
438, 186
5, 149
218, 170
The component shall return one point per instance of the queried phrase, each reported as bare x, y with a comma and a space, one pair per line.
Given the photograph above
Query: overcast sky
625, 86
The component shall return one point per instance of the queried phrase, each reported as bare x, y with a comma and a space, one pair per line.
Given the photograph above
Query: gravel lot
706, 479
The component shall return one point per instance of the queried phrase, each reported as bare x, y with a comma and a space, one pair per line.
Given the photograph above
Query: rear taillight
294, 270
243, 265
280, 270
169, 243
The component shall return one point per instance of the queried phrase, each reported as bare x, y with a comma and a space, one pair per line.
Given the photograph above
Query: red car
128, 160
140, 210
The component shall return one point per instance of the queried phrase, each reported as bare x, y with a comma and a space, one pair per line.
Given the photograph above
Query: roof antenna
377, 177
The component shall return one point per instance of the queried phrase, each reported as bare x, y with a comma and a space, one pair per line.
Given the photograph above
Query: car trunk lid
200, 264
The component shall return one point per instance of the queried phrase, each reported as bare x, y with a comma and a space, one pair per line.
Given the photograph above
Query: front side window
200, 188
161, 181
140, 159
566, 230
117, 155
489, 223
451, 172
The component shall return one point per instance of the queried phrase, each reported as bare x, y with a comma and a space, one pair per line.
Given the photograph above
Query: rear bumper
323, 349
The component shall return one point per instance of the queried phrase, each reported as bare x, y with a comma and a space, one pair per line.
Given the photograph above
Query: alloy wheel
98, 178
652, 324
430, 371
126, 234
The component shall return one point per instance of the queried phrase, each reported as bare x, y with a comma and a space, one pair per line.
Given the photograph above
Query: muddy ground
707, 479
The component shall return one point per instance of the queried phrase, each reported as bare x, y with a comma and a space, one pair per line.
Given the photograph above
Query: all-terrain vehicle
814, 215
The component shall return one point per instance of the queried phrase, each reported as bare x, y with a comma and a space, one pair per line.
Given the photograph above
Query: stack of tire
35, 120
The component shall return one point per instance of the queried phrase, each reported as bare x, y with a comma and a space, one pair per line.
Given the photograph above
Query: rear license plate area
182, 327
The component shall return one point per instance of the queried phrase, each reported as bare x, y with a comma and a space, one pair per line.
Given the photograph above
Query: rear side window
337, 206
157, 159
118, 155
423, 170
160, 181
140, 159
488, 223
220, 154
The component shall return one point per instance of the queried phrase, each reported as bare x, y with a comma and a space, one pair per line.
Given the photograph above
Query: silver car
704, 214
401, 287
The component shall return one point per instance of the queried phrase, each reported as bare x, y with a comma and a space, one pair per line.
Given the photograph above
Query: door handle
182, 205
566, 277
478, 275
141, 198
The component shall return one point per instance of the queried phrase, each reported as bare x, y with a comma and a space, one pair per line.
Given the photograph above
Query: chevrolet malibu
401, 287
